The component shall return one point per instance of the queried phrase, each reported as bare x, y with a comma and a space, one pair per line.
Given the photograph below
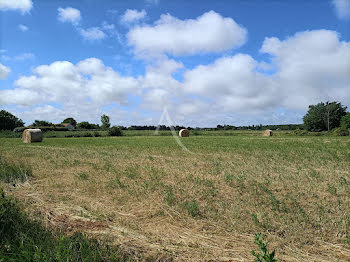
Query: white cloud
43, 112
22, 5
209, 32
132, 15
20, 97
342, 8
307, 68
89, 82
69, 14
159, 85
93, 33
106, 85
232, 84
23, 28
4, 71
311, 66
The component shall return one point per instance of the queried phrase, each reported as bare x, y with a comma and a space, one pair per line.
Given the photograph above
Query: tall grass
11, 172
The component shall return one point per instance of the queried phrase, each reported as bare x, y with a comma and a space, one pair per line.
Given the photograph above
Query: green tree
345, 121
41, 123
324, 116
87, 125
71, 121
105, 122
9, 121
84, 125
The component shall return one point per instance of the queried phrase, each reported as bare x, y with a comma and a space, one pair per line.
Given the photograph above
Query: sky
235, 62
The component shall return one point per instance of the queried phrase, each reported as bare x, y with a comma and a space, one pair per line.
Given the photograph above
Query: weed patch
192, 208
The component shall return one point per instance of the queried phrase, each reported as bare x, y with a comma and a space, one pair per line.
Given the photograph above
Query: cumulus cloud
93, 33
22, 5
69, 14
23, 28
132, 15
311, 66
308, 67
73, 16
232, 84
4, 71
342, 8
159, 85
88, 82
106, 85
207, 33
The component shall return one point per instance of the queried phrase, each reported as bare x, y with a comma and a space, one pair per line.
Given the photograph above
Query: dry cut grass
155, 200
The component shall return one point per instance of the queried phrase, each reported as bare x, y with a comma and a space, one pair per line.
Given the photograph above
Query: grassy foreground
26, 239
157, 201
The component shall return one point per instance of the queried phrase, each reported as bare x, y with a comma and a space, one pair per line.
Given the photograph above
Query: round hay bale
268, 133
32, 135
184, 133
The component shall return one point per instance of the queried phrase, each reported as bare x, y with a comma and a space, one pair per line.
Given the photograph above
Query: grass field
157, 201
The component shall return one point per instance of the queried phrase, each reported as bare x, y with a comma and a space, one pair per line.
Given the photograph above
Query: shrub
9, 134
97, 134
300, 132
340, 131
115, 131
195, 133
87, 134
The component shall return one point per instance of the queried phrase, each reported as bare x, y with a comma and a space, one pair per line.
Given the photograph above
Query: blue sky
206, 62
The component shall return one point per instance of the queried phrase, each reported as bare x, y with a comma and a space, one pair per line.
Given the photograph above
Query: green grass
165, 201
24, 239
12, 172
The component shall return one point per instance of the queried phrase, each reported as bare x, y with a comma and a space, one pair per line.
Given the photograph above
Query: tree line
320, 117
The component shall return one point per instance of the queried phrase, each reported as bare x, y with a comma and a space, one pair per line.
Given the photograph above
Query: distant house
69, 126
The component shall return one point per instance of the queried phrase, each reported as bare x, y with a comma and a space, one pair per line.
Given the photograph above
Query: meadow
154, 200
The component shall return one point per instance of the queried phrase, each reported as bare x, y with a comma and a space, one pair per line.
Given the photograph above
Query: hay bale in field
268, 133
184, 133
32, 135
